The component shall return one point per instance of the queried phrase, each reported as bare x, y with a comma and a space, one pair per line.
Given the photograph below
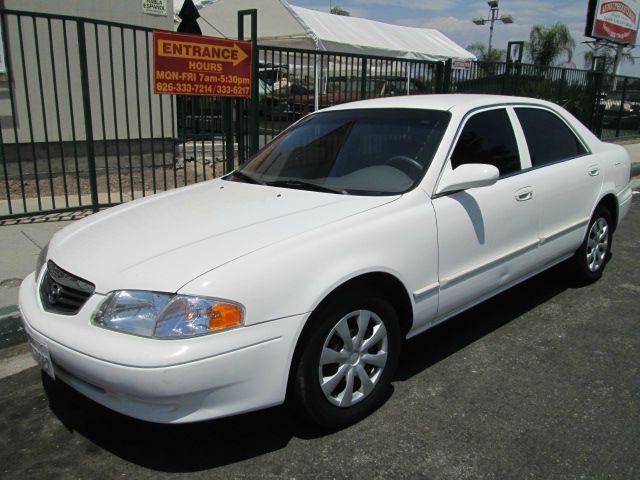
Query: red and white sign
616, 20
196, 65
461, 64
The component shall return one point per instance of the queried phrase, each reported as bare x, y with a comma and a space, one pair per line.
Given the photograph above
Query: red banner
196, 65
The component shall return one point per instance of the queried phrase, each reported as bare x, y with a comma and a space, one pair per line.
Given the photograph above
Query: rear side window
488, 137
549, 138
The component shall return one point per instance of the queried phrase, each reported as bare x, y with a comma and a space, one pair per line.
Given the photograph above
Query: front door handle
524, 194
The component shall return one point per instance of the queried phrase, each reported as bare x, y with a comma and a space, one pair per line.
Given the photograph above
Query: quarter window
488, 137
549, 139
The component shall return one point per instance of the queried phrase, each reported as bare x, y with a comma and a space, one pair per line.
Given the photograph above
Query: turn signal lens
223, 316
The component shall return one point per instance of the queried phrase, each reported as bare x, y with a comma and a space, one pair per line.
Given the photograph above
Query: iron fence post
439, 74
363, 80
446, 77
227, 128
505, 76
253, 103
88, 120
621, 109
596, 117
563, 80
516, 87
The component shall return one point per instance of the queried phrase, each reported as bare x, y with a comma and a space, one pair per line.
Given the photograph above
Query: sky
453, 18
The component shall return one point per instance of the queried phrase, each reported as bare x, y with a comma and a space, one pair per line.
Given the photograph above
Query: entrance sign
613, 20
196, 65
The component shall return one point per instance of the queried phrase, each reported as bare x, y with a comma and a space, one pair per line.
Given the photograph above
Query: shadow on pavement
199, 446
422, 351
174, 448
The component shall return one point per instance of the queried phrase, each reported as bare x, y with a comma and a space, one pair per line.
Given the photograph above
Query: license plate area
40, 353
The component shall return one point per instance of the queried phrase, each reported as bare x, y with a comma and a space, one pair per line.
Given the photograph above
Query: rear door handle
524, 194
594, 170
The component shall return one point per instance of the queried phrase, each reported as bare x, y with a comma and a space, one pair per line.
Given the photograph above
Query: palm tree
609, 53
480, 50
548, 43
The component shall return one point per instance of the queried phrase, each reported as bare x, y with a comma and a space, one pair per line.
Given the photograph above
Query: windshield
360, 152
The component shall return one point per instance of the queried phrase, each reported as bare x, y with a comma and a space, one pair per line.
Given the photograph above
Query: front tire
591, 258
347, 360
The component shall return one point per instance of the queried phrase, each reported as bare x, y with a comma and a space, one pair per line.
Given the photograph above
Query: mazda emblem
55, 291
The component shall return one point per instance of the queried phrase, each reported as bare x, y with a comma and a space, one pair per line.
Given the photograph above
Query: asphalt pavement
539, 382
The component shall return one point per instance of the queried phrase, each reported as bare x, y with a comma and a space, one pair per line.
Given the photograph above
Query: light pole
493, 16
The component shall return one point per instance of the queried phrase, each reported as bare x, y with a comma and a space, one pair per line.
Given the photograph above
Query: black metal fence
609, 105
80, 126
293, 83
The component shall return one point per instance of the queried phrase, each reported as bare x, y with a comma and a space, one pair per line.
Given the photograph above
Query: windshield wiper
246, 178
302, 185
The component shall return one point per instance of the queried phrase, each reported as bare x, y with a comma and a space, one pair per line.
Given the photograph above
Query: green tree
481, 51
340, 11
548, 43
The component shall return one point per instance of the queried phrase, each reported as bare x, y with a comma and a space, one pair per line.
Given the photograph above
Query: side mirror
470, 175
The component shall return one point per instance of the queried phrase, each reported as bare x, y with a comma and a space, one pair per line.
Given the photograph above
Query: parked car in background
299, 99
298, 276
622, 110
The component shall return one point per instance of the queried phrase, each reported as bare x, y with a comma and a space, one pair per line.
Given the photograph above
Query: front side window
360, 152
549, 139
488, 137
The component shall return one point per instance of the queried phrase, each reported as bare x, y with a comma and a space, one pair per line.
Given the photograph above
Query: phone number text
178, 88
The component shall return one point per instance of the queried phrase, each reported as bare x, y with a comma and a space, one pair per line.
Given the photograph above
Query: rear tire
590, 259
348, 357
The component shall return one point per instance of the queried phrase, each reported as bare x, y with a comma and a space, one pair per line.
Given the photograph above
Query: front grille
64, 293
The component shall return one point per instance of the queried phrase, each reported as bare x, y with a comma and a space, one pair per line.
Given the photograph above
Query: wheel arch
610, 202
385, 284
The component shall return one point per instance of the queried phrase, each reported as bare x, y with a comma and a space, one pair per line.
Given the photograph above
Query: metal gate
80, 126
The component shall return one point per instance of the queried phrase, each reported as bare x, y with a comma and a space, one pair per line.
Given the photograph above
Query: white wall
57, 79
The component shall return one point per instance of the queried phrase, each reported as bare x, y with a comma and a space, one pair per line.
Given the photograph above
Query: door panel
487, 238
566, 179
566, 194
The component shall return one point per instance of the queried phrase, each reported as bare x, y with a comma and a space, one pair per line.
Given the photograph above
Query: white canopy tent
283, 25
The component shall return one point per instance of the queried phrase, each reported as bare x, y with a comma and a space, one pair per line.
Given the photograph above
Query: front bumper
165, 381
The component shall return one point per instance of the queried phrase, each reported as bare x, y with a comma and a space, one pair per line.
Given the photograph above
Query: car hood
164, 241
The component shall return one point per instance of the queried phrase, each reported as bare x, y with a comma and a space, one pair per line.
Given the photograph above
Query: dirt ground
122, 185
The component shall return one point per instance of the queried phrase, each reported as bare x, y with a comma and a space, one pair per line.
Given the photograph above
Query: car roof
446, 102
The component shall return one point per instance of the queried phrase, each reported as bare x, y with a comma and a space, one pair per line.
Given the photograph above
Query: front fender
293, 276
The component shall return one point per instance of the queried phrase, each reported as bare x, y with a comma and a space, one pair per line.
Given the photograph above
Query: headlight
41, 259
162, 315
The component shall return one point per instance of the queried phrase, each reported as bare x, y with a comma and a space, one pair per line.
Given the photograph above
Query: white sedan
298, 276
